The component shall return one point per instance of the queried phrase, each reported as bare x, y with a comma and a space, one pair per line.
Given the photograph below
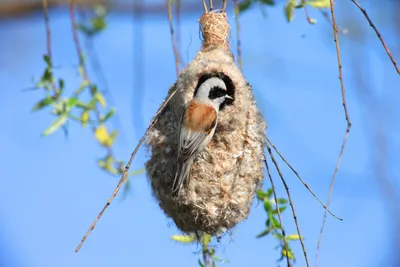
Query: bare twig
224, 4
377, 34
335, 36
124, 175
302, 181
279, 213
48, 41
171, 28
204, 6
291, 204
211, 5
238, 44
309, 19
327, 18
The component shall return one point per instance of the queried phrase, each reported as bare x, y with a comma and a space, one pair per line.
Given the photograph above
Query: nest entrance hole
230, 86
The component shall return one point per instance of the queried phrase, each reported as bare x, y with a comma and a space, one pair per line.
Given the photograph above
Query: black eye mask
230, 87
217, 92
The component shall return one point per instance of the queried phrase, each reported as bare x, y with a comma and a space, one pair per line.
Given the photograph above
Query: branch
279, 213
171, 28
48, 43
128, 165
298, 176
238, 44
377, 34
291, 204
335, 35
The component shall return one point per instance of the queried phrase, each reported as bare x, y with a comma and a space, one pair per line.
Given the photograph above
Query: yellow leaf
84, 117
186, 239
293, 237
102, 136
319, 3
100, 98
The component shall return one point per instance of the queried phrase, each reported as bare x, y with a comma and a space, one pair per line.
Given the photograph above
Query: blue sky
51, 188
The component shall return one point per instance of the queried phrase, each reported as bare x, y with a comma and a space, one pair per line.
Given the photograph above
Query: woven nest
226, 175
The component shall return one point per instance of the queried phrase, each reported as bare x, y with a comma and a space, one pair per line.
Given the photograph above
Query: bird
197, 126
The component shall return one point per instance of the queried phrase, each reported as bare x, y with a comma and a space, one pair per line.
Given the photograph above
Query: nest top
215, 30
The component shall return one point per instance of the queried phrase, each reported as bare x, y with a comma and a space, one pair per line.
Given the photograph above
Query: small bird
197, 126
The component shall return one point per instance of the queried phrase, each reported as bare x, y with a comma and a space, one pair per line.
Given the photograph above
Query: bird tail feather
181, 176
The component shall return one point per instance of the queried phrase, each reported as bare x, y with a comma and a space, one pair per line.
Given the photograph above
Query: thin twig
279, 213
124, 175
211, 5
335, 36
48, 41
204, 6
291, 204
325, 14
238, 40
224, 4
302, 181
171, 28
378, 34
309, 19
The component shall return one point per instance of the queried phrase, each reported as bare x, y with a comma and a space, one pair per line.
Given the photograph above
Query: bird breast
200, 117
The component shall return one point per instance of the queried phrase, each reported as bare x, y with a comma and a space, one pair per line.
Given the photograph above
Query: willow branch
125, 174
238, 41
302, 181
291, 204
279, 213
377, 34
335, 36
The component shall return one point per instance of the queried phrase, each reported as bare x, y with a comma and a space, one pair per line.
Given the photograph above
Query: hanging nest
225, 175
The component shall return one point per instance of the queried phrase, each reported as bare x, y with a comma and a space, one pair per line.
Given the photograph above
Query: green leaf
71, 102
82, 86
61, 84
289, 9
47, 60
100, 98
185, 239
201, 264
282, 201
261, 195
268, 2
276, 223
278, 235
108, 115
137, 172
43, 103
60, 121
267, 205
83, 105
270, 192
281, 209
319, 3
263, 233
243, 6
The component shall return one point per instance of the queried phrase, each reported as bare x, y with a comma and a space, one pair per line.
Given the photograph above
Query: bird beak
229, 97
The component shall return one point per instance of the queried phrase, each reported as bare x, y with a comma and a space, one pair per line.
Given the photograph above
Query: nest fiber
226, 175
